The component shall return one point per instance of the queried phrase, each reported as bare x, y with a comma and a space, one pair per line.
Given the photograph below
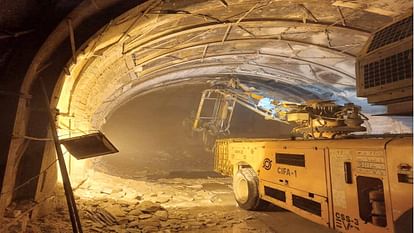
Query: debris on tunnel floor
174, 192
112, 204
135, 70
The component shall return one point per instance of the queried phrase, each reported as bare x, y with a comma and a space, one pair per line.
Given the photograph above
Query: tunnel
136, 71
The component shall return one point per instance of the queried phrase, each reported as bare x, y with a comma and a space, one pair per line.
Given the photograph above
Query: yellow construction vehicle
351, 185
348, 183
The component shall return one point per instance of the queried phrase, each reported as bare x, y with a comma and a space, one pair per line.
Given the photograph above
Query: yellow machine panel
292, 164
294, 173
351, 185
400, 176
358, 171
231, 153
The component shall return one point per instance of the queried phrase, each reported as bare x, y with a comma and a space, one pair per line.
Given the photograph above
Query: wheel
246, 190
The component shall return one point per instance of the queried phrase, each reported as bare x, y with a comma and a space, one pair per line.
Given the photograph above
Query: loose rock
135, 212
144, 216
162, 214
149, 207
115, 210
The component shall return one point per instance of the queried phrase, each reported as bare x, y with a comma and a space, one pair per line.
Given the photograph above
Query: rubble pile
148, 216
112, 204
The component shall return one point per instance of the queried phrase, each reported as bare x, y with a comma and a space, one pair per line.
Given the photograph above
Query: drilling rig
348, 183
313, 119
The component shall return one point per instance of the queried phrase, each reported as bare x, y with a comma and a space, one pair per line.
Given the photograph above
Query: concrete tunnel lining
322, 44
104, 69
140, 50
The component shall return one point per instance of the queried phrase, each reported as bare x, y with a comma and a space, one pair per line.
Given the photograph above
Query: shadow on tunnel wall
154, 136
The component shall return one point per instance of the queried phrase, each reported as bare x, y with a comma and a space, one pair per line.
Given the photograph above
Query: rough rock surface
112, 204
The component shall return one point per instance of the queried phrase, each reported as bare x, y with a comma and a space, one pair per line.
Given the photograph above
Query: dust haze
154, 136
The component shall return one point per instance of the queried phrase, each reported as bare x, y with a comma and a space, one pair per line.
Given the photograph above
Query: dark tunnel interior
154, 135
337, 73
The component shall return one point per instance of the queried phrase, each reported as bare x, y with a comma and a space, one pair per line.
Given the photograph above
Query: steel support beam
132, 45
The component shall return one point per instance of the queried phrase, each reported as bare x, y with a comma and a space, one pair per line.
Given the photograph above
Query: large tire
246, 190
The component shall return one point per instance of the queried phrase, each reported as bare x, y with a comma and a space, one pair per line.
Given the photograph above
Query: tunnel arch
300, 43
141, 48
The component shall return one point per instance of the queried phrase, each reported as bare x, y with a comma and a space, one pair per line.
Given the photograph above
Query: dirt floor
162, 179
113, 204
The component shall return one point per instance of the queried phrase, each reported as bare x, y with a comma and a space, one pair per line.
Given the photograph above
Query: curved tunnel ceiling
307, 49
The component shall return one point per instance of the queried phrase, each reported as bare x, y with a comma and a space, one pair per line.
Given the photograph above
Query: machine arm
313, 119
